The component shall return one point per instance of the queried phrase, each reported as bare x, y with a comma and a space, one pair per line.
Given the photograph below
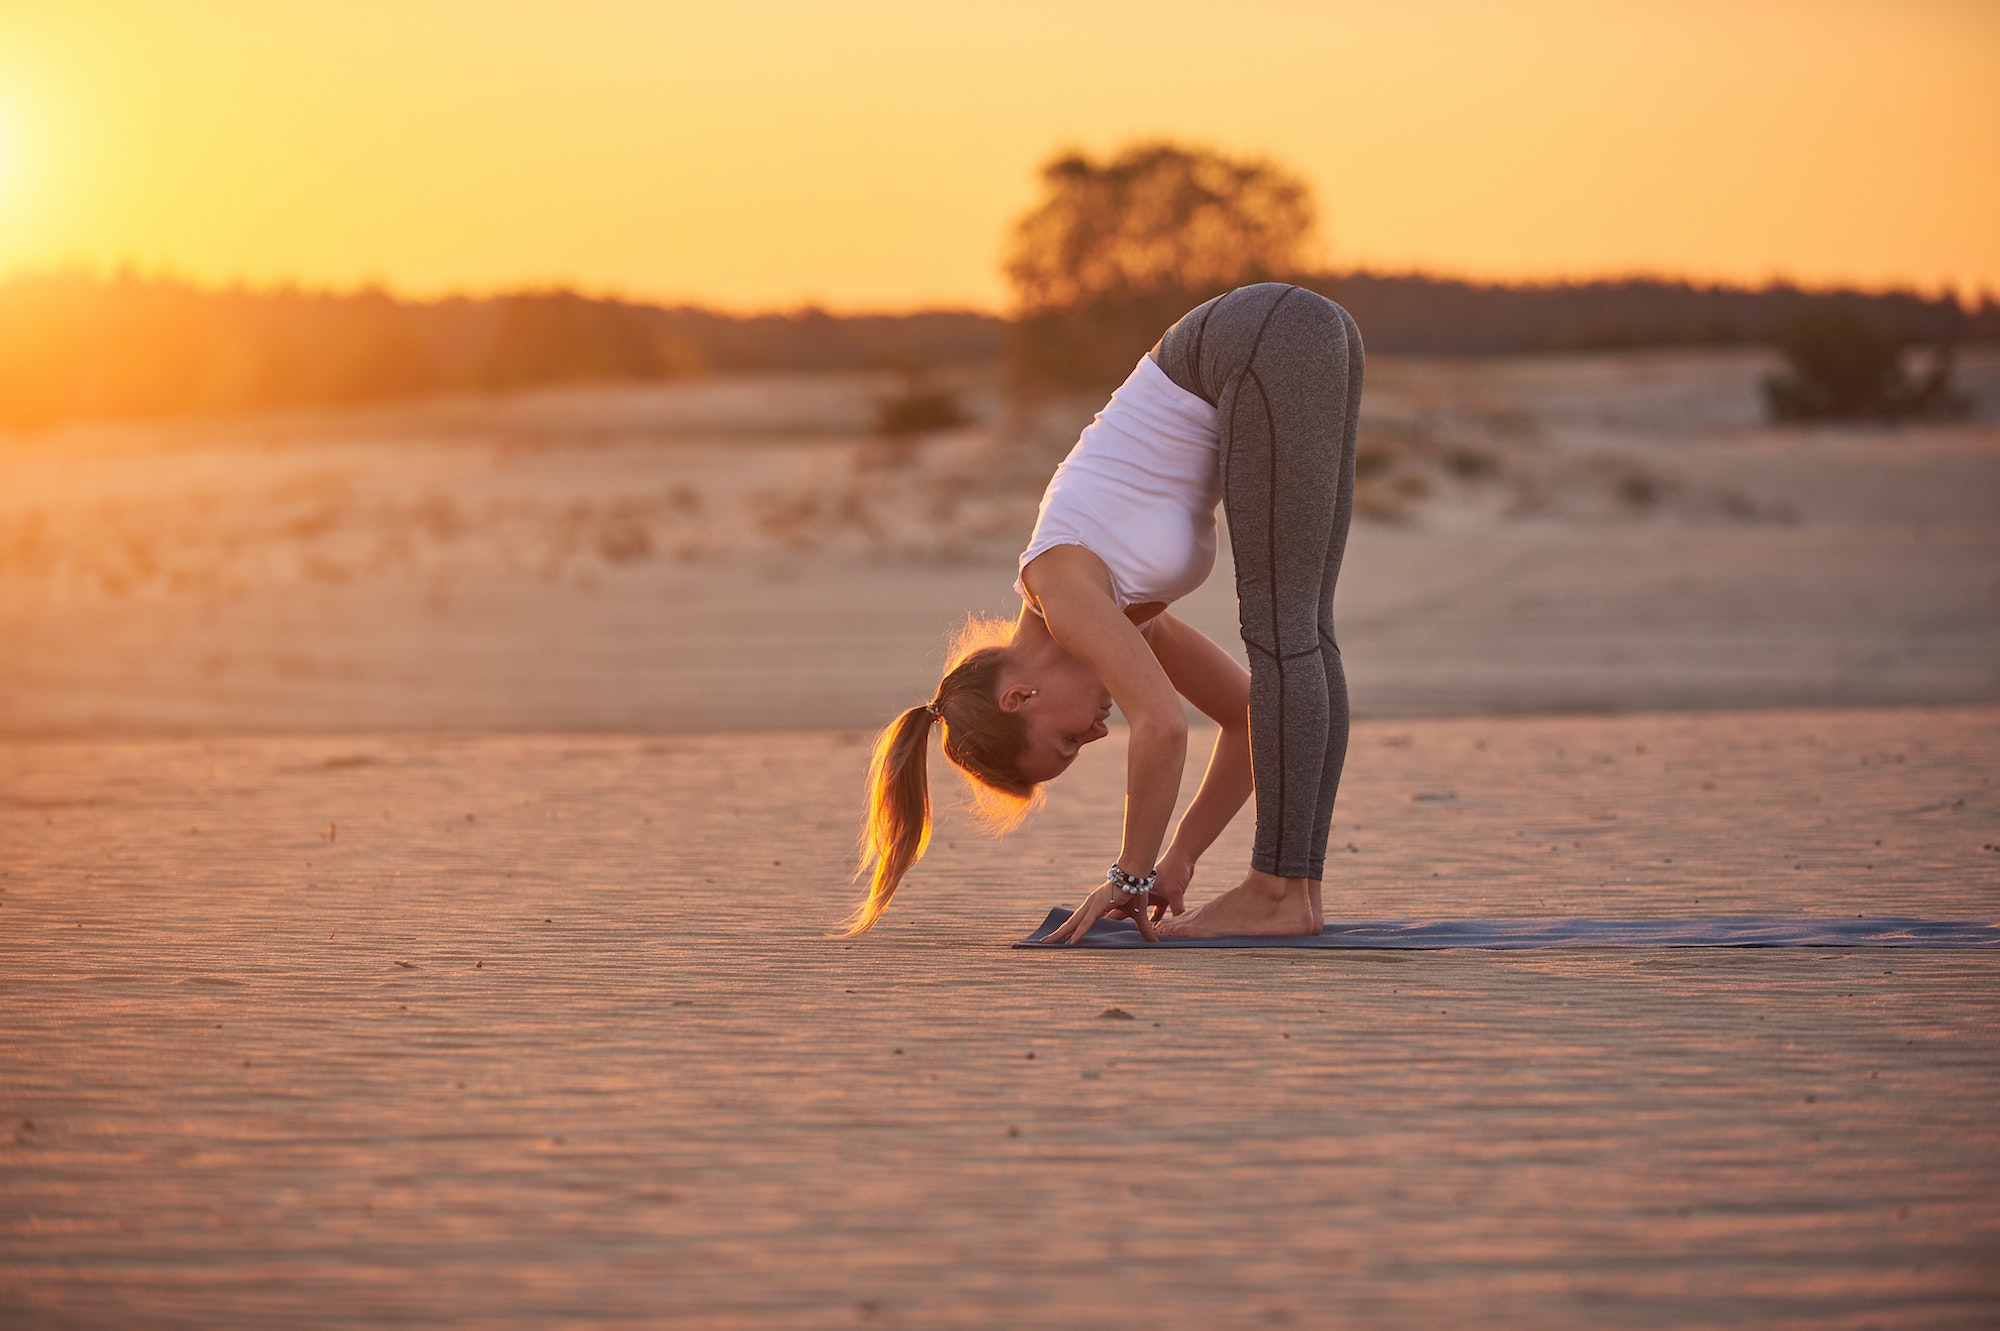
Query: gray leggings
1282, 367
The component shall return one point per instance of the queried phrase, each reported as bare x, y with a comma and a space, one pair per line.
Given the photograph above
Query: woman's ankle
1276, 887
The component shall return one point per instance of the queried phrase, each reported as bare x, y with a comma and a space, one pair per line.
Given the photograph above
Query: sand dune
1582, 533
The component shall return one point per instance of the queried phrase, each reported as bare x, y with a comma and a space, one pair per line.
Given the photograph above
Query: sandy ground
527, 1031
1574, 534
420, 829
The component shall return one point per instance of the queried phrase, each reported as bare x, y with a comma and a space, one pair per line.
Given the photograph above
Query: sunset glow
873, 153
10, 163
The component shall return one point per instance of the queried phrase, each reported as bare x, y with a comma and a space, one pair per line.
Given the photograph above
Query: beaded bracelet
1129, 885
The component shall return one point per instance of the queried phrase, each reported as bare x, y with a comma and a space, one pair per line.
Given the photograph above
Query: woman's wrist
1129, 886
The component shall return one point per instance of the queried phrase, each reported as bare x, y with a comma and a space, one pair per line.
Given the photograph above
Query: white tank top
1139, 491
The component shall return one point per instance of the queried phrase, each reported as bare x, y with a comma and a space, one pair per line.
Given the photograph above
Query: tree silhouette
1116, 250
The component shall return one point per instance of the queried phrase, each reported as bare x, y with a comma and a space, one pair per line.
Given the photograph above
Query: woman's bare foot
1261, 906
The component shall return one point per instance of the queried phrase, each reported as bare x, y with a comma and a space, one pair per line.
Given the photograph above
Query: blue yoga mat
1520, 935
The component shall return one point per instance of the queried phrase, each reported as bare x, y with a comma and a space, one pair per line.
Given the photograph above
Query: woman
1249, 400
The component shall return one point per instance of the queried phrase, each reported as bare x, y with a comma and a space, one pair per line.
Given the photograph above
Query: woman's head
1061, 704
1014, 714
982, 739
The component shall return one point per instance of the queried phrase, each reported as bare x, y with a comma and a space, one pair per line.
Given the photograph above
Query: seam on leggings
1271, 555
1195, 370
1270, 529
1258, 341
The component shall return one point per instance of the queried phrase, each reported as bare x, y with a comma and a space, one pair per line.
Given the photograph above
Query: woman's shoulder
1073, 575
1065, 568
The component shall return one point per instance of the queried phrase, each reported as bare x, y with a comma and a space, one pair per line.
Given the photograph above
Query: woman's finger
1088, 913
1079, 921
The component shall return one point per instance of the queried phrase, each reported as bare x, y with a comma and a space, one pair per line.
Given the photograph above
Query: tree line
1114, 252
89, 347
82, 346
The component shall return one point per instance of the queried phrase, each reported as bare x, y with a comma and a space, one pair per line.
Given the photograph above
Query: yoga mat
1519, 935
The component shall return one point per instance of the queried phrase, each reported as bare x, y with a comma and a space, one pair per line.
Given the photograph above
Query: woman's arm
1219, 688
1073, 589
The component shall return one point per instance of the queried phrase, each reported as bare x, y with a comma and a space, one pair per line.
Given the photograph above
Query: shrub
1844, 368
918, 407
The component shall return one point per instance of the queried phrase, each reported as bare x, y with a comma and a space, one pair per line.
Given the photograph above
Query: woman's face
1064, 707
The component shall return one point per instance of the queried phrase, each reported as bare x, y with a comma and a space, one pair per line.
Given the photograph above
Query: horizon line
1963, 294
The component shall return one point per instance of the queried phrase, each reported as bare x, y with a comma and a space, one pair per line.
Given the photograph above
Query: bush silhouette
1844, 368
919, 406
1119, 249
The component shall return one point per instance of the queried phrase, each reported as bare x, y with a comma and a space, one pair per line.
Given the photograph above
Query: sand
531, 1030
619, 560
420, 832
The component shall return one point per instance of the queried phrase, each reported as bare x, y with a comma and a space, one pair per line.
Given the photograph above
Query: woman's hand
1106, 900
1170, 885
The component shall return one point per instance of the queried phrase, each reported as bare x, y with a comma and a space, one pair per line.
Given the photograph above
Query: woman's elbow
1164, 726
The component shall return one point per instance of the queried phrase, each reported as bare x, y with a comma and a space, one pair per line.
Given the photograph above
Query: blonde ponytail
981, 740
899, 812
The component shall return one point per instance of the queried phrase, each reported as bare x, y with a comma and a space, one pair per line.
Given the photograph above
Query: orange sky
870, 153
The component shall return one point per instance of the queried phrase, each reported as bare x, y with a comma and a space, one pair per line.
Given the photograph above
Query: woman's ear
1012, 699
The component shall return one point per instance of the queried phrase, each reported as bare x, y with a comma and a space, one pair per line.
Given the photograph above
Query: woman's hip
1274, 330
